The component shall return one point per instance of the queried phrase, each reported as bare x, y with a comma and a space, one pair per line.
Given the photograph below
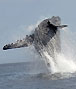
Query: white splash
49, 59
62, 64
65, 61
65, 64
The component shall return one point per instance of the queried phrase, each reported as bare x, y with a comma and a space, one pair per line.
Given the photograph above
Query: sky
17, 17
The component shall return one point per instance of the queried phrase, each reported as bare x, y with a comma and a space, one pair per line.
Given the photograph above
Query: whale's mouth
62, 26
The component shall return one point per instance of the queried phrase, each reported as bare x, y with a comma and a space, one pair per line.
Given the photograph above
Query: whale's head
56, 21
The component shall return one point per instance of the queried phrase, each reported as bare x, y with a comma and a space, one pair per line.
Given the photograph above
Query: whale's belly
47, 40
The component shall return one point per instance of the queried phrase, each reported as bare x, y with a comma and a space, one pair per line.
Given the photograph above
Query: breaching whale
46, 35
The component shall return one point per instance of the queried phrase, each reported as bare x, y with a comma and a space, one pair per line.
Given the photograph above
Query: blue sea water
33, 75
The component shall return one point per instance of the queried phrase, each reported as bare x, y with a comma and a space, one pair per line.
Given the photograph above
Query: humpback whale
46, 35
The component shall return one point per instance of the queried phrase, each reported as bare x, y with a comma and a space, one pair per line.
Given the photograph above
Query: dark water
33, 75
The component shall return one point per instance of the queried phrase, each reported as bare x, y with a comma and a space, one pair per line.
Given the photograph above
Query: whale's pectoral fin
28, 40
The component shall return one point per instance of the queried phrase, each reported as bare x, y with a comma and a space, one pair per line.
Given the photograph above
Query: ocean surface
34, 75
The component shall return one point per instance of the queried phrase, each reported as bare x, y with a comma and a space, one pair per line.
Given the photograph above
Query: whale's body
45, 37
